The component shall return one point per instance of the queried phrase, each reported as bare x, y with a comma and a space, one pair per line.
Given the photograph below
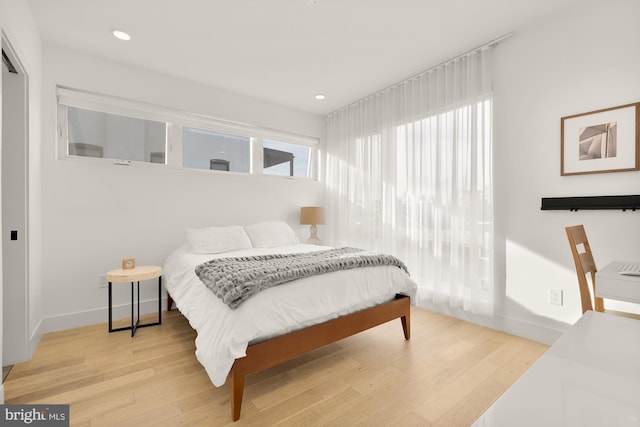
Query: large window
203, 149
284, 159
128, 132
409, 172
111, 136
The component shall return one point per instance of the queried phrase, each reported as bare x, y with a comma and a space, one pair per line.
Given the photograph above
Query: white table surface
589, 377
613, 285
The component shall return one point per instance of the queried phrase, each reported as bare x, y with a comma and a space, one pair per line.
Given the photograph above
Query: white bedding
223, 334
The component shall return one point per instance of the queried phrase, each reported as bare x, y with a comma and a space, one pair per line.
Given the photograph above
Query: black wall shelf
591, 203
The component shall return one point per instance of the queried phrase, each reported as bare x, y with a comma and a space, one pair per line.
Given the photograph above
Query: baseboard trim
533, 331
1, 394
540, 333
34, 340
544, 334
99, 315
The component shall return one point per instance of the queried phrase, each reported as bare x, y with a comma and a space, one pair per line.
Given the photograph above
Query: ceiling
287, 51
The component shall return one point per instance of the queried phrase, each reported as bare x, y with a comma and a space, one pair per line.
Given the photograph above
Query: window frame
175, 121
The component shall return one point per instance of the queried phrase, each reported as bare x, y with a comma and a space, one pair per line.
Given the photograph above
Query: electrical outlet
555, 296
102, 281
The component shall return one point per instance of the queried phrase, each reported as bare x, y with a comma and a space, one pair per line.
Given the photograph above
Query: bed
281, 322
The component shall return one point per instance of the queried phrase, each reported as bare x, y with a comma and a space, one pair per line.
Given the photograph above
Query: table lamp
312, 215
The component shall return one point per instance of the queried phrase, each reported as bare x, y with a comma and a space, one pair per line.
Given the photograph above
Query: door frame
22, 292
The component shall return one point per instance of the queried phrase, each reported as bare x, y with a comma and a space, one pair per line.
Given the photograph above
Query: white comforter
223, 334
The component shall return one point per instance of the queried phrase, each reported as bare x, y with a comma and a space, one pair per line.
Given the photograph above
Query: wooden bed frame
276, 350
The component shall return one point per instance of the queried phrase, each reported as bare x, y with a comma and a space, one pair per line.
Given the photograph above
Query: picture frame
128, 263
601, 141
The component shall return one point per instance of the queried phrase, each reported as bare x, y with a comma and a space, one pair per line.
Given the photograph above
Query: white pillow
214, 240
270, 234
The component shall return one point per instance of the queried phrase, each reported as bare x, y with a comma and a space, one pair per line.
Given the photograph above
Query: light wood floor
447, 375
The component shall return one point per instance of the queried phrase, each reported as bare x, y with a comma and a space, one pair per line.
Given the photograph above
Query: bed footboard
268, 353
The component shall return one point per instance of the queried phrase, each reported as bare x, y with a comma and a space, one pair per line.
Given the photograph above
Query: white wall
96, 213
583, 60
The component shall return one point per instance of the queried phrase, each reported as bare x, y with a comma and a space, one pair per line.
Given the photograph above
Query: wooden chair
586, 265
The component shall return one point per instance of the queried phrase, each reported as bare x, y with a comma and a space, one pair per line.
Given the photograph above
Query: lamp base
313, 239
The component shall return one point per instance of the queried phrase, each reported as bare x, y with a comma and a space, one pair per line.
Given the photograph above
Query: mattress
223, 334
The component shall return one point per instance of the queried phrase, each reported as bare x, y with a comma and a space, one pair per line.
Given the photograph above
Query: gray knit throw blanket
234, 280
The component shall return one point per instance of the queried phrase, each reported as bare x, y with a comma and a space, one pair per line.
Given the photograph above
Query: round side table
132, 275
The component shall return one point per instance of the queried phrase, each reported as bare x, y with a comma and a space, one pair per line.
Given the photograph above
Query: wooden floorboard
446, 375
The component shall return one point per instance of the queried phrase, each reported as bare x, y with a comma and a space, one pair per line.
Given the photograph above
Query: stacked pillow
213, 240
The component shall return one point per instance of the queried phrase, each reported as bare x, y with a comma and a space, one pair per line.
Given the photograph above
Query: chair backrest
584, 265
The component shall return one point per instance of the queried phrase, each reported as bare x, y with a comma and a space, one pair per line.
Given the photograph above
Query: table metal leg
160, 300
135, 323
138, 321
133, 328
110, 308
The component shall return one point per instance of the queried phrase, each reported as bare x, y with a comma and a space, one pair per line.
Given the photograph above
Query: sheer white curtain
409, 173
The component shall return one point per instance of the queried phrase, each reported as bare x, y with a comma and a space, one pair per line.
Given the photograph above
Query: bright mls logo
36, 415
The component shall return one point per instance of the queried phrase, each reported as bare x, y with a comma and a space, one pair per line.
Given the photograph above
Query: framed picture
601, 141
128, 263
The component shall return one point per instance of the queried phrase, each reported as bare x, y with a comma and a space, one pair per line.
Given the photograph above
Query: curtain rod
462, 55
482, 46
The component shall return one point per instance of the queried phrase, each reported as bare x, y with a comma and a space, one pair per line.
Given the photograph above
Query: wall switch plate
102, 281
555, 296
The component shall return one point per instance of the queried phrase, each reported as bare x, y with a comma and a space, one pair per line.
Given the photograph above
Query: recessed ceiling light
320, 97
121, 35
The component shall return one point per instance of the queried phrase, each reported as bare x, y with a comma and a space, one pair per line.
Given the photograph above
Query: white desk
589, 377
613, 285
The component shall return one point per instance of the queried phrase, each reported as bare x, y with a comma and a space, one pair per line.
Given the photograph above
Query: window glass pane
202, 149
96, 134
286, 159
